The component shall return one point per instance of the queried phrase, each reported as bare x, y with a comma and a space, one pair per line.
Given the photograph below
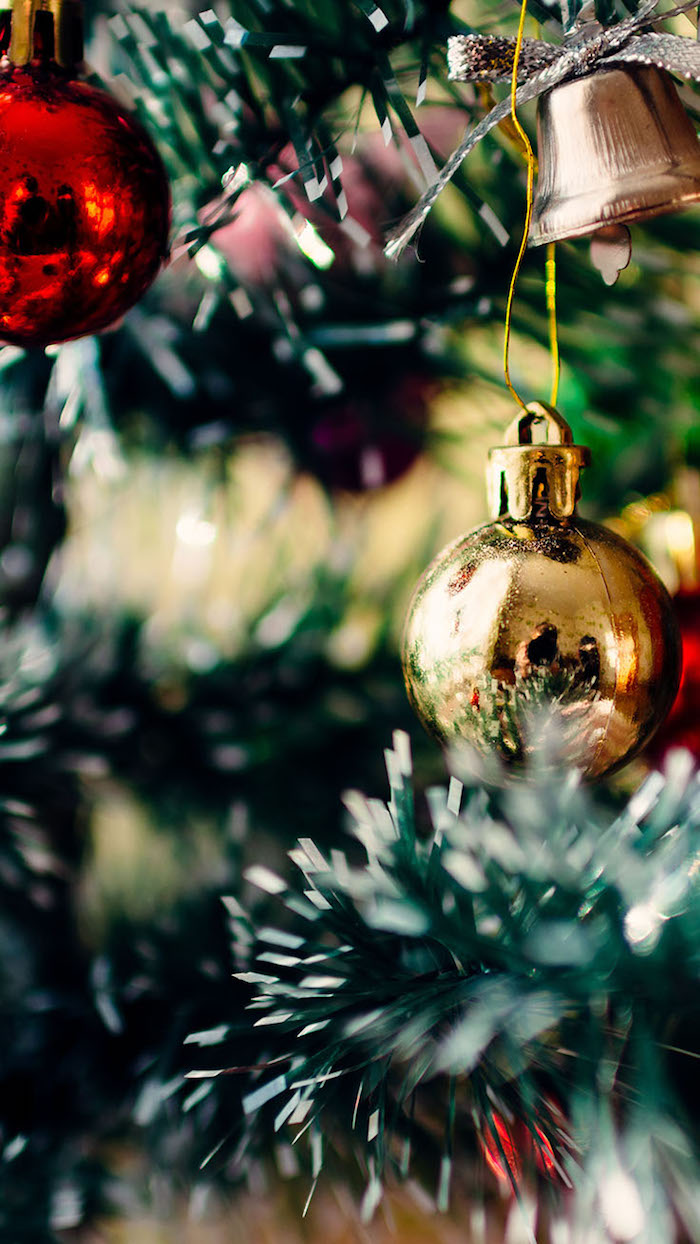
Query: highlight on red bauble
511, 1147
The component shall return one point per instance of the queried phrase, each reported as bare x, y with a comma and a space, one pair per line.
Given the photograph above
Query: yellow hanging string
550, 264
550, 270
530, 157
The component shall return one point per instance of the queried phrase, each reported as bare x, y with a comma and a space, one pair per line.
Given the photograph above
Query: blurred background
211, 520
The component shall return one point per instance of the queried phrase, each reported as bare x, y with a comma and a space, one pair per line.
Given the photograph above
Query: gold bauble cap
46, 30
528, 478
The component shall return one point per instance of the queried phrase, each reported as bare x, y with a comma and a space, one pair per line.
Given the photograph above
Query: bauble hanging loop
84, 199
540, 609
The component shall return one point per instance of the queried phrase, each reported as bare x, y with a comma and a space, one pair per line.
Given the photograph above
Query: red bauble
84, 208
511, 1148
682, 726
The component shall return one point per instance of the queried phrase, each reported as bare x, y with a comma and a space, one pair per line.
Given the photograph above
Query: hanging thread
550, 264
550, 270
530, 158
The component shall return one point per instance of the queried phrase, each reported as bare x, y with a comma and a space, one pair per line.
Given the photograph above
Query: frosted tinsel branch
535, 955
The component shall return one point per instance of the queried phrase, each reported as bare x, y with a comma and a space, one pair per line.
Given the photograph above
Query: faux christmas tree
475, 1015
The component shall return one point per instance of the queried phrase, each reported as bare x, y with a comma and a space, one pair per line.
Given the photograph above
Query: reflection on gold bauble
541, 608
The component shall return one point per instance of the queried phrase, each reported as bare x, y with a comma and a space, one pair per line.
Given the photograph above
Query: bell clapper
611, 251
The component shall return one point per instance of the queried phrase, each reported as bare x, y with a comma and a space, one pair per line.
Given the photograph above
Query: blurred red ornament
84, 208
510, 1148
682, 726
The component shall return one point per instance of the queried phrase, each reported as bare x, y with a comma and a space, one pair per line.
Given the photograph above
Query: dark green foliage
92, 1030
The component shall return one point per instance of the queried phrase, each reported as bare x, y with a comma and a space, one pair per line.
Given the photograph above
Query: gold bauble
541, 608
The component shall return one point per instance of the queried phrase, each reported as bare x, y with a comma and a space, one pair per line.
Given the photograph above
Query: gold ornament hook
536, 479
67, 31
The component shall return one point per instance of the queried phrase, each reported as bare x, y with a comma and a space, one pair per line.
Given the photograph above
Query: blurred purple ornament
359, 444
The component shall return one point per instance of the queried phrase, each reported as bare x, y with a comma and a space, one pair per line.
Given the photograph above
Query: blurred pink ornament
377, 183
255, 241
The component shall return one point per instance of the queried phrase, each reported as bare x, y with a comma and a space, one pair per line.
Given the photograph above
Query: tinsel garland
235, 92
533, 957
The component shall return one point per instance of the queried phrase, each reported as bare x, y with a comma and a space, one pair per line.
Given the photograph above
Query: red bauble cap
84, 207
